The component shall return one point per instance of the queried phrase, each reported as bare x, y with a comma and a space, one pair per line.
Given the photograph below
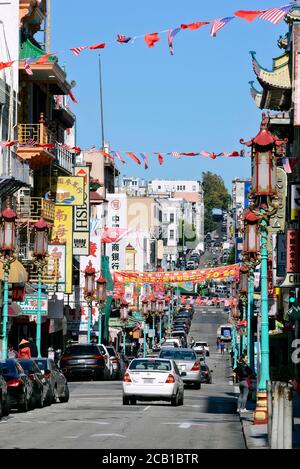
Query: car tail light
31, 376
114, 360
196, 366
14, 382
206, 372
127, 378
47, 374
98, 357
65, 358
170, 379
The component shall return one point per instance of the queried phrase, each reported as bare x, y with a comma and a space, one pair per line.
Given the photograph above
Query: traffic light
292, 298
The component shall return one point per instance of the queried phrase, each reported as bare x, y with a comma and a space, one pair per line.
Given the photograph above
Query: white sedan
153, 379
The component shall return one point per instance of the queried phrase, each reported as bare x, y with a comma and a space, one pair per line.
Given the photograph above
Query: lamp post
264, 203
7, 248
243, 298
145, 312
160, 313
41, 230
89, 294
124, 318
153, 313
100, 302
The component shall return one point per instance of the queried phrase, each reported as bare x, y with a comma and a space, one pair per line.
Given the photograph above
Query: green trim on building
28, 49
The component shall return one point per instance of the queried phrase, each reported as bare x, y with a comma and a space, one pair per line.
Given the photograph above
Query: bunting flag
213, 156
10, 143
160, 158
248, 15
27, 64
97, 46
46, 145
44, 58
132, 155
233, 154
151, 39
171, 34
5, 64
73, 97
145, 159
189, 154
286, 165
123, 39
107, 155
194, 26
175, 153
275, 15
77, 50
219, 24
113, 235
117, 155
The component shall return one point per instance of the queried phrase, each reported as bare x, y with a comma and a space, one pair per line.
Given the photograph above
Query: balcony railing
34, 208
63, 158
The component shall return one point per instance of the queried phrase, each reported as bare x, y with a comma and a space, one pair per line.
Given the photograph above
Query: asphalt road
95, 418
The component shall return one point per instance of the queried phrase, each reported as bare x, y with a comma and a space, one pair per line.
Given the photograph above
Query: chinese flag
97, 46
248, 15
151, 39
194, 26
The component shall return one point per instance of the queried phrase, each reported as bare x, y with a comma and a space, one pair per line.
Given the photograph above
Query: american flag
123, 39
175, 153
27, 66
117, 155
219, 24
275, 15
145, 159
286, 165
76, 50
171, 34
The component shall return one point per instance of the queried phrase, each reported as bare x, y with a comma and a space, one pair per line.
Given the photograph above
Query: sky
198, 99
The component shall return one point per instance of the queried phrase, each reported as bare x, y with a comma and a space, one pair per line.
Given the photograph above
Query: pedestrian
24, 349
222, 347
12, 353
33, 348
244, 374
218, 344
192, 342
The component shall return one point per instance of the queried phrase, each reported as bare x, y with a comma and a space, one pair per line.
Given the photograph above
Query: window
172, 234
172, 217
184, 188
159, 187
194, 188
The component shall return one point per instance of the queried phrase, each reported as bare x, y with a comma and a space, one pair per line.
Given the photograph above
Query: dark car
85, 360
19, 386
4, 399
205, 374
58, 384
41, 386
115, 361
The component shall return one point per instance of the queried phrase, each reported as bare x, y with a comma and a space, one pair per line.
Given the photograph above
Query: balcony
31, 209
64, 159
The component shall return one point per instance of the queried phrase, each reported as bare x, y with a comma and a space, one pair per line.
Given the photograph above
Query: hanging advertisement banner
281, 254
63, 230
30, 305
69, 190
57, 265
292, 262
230, 273
295, 201
81, 234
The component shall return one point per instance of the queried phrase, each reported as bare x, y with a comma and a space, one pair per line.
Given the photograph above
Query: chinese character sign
57, 265
70, 191
292, 265
63, 230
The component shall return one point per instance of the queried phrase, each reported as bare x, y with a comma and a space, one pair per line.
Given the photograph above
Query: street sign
291, 280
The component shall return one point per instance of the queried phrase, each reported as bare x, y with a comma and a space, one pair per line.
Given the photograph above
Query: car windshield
178, 354
150, 365
203, 344
83, 350
111, 351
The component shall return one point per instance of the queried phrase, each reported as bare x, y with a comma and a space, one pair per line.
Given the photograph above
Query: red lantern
90, 274
101, 289
264, 173
161, 306
41, 239
251, 234
145, 307
153, 306
243, 282
167, 299
8, 227
124, 310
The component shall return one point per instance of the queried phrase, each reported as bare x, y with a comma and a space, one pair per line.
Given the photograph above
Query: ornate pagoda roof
264, 138
276, 83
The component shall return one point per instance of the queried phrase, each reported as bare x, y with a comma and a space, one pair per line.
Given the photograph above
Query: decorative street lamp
100, 297
153, 313
243, 288
89, 294
160, 313
145, 313
7, 248
40, 252
124, 318
264, 203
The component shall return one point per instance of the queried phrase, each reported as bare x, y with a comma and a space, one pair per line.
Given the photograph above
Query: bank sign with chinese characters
117, 218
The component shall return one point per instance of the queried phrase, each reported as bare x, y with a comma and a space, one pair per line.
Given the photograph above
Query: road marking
72, 437
96, 435
186, 425
146, 408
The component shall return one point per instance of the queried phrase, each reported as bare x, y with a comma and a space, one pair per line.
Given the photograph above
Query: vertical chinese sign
81, 233
57, 266
292, 264
63, 230
117, 218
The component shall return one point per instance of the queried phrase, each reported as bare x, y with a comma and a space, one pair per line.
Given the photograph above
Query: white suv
201, 347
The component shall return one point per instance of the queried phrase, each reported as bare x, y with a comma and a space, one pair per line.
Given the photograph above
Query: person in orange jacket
24, 349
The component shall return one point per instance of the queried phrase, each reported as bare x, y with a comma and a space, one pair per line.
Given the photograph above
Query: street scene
149, 298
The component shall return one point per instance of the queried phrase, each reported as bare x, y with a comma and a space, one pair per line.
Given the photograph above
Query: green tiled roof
30, 50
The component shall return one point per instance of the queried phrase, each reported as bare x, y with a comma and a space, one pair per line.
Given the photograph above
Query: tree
215, 196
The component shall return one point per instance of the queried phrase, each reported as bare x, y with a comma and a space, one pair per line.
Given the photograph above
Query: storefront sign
57, 266
30, 305
281, 254
295, 201
63, 230
82, 216
291, 280
292, 264
69, 191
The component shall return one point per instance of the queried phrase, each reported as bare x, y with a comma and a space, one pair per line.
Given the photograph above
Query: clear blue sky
197, 100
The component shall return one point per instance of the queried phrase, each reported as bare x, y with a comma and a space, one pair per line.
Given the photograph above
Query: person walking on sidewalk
244, 374
222, 347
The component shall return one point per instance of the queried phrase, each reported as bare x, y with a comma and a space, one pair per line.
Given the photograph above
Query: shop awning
17, 273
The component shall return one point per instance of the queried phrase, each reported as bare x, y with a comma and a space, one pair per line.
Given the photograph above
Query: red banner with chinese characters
292, 262
230, 273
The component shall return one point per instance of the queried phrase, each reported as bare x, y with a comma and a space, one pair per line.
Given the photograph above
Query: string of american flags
273, 15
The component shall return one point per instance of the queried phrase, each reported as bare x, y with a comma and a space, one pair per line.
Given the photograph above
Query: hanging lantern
89, 273
160, 307
167, 299
8, 229
251, 232
41, 239
243, 283
145, 307
124, 310
101, 289
153, 306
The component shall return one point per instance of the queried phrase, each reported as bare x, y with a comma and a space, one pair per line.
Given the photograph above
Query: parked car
58, 384
171, 342
153, 379
4, 399
206, 374
85, 360
201, 347
187, 362
41, 386
115, 362
19, 385
181, 335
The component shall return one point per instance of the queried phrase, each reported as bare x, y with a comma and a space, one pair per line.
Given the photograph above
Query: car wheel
40, 401
126, 400
197, 385
48, 400
54, 395
66, 397
175, 400
133, 401
181, 400
24, 406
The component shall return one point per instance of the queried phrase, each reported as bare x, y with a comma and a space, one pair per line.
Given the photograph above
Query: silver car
58, 383
188, 364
